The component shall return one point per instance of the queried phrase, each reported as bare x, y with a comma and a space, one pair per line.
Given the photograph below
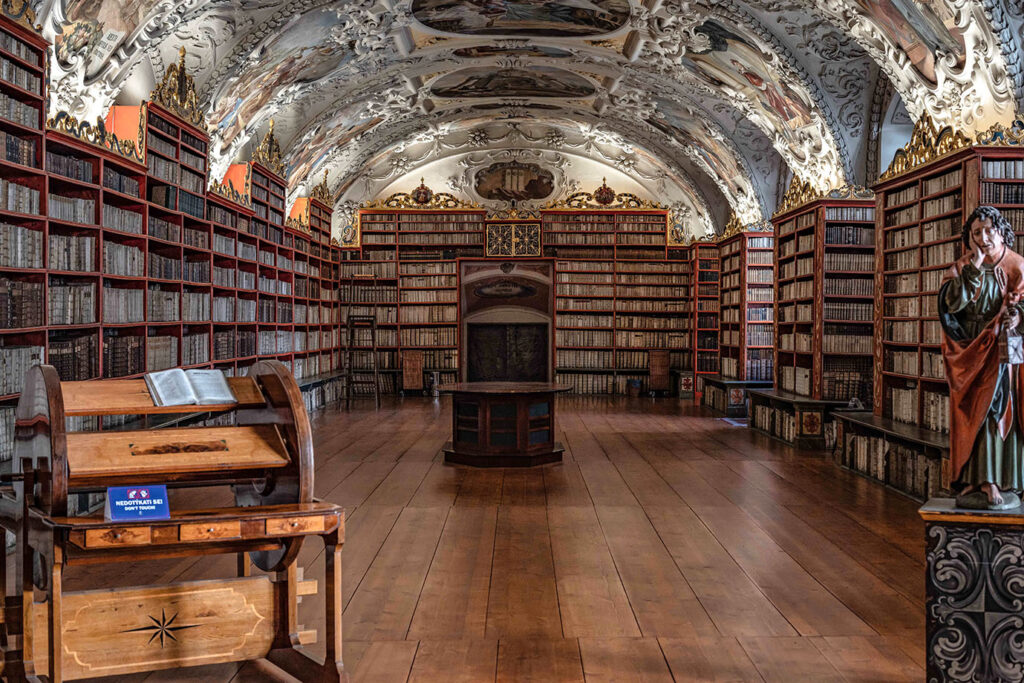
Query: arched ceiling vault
707, 105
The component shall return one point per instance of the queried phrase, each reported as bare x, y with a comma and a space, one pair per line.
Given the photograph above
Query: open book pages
177, 387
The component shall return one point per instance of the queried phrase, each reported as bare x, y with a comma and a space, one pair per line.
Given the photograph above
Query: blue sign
137, 504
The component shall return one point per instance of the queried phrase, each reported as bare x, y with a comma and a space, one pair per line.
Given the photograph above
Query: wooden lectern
266, 457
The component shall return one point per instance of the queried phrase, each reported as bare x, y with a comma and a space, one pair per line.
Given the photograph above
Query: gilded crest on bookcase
514, 214
299, 225
98, 136
21, 12
586, 200
322, 191
405, 200
927, 143
1003, 136
268, 153
177, 92
733, 226
799, 193
228, 191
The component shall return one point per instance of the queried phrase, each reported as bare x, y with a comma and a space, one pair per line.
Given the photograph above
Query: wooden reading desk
266, 457
503, 424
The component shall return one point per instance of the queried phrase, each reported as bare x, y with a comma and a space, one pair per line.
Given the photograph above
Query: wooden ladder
352, 324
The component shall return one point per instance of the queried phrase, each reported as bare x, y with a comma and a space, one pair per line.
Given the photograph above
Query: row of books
72, 303
902, 216
651, 278
849, 286
75, 358
903, 467
795, 379
116, 218
21, 303
163, 305
233, 344
943, 204
432, 281
15, 360
586, 338
1003, 169
760, 335
656, 339
943, 182
428, 336
902, 196
21, 77
428, 314
426, 296
123, 259
1002, 193
16, 111
775, 421
586, 383
195, 348
20, 247
161, 353
19, 198
850, 213
18, 150
902, 362
857, 261
582, 358
902, 260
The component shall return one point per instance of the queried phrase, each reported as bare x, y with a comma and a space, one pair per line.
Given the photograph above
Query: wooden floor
670, 545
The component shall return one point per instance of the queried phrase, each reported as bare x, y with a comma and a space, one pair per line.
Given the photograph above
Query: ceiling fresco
523, 17
535, 81
710, 105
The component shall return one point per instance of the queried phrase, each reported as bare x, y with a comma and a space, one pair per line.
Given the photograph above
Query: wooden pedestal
797, 420
729, 396
503, 424
973, 593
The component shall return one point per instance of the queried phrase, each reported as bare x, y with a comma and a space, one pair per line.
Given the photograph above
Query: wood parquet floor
669, 545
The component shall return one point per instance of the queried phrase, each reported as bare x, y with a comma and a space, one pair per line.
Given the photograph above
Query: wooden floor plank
784, 660
523, 600
539, 661
365, 532
624, 660
382, 661
455, 661
862, 660
661, 599
709, 660
383, 605
480, 488
591, 598
453, 603
440, 487
564, 485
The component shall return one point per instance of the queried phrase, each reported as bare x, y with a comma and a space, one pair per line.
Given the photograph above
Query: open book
177, 387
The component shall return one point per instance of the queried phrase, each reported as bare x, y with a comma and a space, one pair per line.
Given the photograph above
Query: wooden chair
267, 458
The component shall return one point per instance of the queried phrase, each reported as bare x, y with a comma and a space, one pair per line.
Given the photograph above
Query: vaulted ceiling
705, 105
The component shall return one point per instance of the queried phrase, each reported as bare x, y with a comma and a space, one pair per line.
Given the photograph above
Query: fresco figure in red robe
979, 300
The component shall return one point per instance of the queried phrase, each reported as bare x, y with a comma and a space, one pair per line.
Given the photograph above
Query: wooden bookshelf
747, 306
824, 293
619, 294
24, 281
137, 266
706, 265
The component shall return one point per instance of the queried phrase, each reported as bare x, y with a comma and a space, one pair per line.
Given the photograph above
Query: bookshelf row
114, 265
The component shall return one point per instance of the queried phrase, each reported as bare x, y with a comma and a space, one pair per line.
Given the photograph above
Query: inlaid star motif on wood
163, 628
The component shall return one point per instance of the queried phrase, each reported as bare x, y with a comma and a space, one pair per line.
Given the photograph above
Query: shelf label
137, 504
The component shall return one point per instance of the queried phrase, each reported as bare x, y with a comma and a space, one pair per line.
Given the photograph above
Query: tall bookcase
934, 183
405, 274
747, 306
24, 281
706, 265
825, 255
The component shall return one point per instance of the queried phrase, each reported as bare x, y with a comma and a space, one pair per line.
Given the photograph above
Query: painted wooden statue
979, 304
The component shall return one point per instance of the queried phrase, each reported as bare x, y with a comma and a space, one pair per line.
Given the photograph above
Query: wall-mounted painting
735, 64
299, 52
921, 28
533, 81
514, 181
486, 51
523, 17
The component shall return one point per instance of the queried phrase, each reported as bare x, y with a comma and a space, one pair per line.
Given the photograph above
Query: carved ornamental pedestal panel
975, 593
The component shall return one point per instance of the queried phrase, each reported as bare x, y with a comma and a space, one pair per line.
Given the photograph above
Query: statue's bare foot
992, 491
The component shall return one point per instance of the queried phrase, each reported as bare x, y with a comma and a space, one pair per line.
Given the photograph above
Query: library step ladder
353, 324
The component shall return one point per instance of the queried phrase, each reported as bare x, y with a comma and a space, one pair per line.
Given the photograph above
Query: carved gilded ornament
603, 197
927, 143
798, 194
322, 193
299, 225
514, 214
228, 191
98, 136
1003, 136
421, 197
733, 226
268, 153
177, 92
21, 12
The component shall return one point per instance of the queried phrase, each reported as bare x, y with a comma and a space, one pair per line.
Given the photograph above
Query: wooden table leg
55, 622
332, 605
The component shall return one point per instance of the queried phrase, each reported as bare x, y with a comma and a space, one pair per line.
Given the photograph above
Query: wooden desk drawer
120, 536
210, 530
294, 525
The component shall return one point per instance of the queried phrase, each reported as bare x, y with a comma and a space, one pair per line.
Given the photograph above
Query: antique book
177, 387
